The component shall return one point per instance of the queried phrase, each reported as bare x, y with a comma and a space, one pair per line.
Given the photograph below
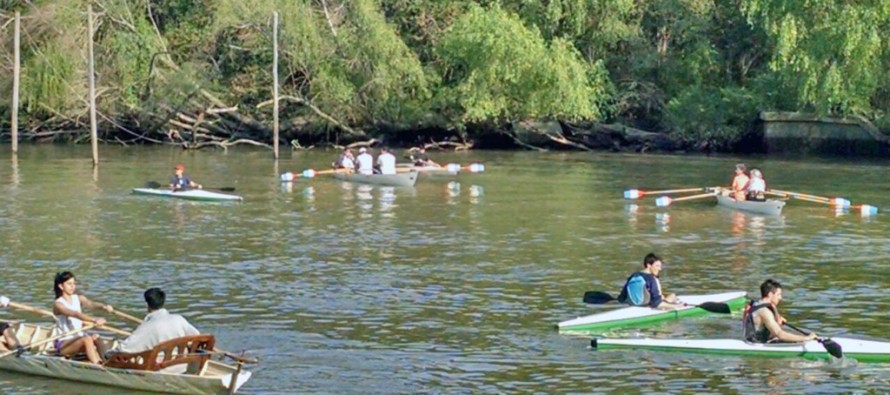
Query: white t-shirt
347, 163
757, 185
66, 323
365, 163
387, 163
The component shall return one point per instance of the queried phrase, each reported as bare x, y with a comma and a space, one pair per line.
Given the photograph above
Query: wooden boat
633, 316
860, 350
187, 370
768, 207
396, 180
191, 194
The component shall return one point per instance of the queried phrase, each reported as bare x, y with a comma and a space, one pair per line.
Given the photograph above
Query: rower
739, 182
762, 321
643, 288
386, 161
756, 186
8, 340
365, 161
157, 327
420, 159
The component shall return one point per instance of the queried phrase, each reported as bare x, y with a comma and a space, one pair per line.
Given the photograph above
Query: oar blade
225, 189
153, 184
596, 297
832, 347
663, 201
633, 194
715, 307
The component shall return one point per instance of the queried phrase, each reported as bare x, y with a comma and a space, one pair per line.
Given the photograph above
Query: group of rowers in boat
157, 327
386, 162
747, 186
761, 319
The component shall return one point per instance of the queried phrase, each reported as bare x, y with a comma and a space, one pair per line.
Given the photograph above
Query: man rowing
739, 182
420, 159
157, 327
643, 288
762, 321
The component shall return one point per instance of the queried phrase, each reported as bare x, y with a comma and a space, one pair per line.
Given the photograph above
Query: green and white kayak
191, 194
860, 350
634, 316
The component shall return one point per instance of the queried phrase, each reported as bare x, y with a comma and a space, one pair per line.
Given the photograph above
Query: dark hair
768, 286
650, 259
155, 298
61, 278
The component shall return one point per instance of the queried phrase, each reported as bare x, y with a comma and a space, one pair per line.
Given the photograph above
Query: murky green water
452, 286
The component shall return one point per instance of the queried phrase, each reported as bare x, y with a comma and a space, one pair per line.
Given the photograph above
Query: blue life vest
637, 294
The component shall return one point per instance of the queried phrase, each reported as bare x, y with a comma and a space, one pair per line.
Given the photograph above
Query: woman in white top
756, 185
70, 317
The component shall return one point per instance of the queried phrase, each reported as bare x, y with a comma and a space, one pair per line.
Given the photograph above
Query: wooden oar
835, 201
865, 210
310, 173
156, 185
665, 201
451, 168
638, 193
597, 297
216, 350
49, 339
51, 315
831, 346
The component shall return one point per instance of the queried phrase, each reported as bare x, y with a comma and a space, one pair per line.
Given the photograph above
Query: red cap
179, 167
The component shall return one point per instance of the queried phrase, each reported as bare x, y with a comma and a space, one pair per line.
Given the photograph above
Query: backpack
637, 294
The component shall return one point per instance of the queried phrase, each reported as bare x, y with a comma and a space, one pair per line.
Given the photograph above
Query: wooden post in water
92, 77
275, 85
16, 71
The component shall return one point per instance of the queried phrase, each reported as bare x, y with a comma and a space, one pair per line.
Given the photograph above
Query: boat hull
396, 180
191, 194
860, 350
768, 207
214, 379
636, 316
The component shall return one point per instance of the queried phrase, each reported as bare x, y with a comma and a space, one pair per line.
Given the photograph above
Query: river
453, 286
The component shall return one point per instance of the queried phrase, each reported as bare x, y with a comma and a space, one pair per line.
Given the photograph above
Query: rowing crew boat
213, 378
860, 350
767, 207
191, 194
396, 180
633, 316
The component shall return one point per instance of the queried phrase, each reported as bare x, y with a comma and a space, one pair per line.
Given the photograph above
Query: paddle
156, 185
49, 339
865, 210
50, 314
310, 173
665, 201
597, 297
831, 346
836, 201
638, 193
451, 168
216, 350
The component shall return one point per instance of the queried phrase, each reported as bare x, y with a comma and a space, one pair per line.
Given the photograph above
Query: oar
49, 339
309, 173
51, 315
831, 346
451, 168
665, 201
638, 193
597, 297
156, 185
835, 201
865, 210
216, 350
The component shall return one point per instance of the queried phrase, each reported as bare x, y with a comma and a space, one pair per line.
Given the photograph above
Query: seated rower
739, 182
756, 186
346, 160
762, 321
9, 341
157, 327
420, 159
70, 318
386, 161
644, 289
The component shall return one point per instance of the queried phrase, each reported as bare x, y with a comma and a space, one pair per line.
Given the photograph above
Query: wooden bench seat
192, 350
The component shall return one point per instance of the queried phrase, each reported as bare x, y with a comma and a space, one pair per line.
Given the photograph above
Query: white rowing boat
396, 180
860, 350
213, 378
633, 316
191, 194
767, 207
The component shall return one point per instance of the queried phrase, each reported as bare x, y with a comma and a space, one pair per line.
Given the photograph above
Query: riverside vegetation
575, 73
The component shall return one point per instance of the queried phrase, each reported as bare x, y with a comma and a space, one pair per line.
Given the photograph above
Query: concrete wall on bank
795, 133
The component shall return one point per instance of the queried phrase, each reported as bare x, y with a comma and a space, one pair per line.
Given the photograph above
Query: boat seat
192, 350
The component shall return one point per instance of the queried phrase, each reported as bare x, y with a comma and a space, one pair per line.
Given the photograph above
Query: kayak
633, 316
191, 194
396, 180
860, 350
768, 207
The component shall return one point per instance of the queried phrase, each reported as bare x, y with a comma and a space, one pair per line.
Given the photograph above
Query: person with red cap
180, 181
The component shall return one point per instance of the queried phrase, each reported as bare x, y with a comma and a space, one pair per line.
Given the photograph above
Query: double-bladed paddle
597, 297
831, 346
156, 185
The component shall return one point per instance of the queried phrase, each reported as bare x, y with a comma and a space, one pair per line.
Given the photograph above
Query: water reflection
476, 193
663, 221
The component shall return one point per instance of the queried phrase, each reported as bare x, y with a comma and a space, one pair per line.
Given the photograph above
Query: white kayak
860, 350
191, 194
633, 316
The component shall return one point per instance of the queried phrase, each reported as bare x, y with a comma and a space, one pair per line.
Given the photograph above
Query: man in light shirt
365, 161
158, 326
386, 161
